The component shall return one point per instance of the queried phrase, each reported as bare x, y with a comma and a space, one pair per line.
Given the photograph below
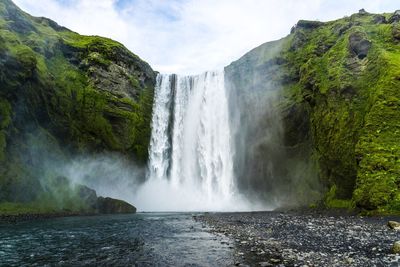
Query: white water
190, 161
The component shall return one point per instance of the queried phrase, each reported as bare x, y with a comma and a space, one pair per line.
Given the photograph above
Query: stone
265, 264
114, 206
396, 31
379, 19
396, 247
349, 260
273, 260
395, 17
362, 12
87, 195
309, 24
394, 225
359, 45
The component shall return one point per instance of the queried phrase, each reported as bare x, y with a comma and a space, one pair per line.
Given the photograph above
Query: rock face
379, 19
113, 206
63, 95
334, 114
395, 17
359, 45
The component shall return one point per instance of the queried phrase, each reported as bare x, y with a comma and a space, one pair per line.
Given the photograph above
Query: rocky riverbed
311, 239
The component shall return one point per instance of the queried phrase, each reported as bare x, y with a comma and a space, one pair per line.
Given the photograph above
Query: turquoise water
143, 239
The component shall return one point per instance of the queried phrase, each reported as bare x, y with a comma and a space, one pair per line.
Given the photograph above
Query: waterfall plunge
190, 154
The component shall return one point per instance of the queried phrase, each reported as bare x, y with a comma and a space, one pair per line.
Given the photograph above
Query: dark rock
396, 31
87, 195
296, 124
362, 12
359, 45
308, 24
299, 40
395, 17
379, 19
113, 206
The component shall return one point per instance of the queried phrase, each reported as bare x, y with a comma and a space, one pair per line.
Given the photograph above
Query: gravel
306, 239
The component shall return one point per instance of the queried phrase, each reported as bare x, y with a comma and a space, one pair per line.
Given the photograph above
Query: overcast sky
191, 36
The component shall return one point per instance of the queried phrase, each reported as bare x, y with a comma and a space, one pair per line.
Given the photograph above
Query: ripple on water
142, 239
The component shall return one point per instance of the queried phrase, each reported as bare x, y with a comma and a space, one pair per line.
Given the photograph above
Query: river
142, 239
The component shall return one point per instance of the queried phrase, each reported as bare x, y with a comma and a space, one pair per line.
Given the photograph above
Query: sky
192, 36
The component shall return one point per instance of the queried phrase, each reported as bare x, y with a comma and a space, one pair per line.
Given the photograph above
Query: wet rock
87, 195
359, 45
114, 206
396, 247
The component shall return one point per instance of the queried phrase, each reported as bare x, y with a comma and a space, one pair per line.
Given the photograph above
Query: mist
269, 167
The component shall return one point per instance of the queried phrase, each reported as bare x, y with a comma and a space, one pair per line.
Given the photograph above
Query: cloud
189, 36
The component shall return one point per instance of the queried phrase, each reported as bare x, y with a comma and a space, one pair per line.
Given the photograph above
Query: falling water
190, 162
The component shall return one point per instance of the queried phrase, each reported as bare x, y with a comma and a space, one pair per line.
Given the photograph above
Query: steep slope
61, 95
338, 94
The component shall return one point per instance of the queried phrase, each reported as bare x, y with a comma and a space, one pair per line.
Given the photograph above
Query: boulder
113, 206
379, 19
309, 24
395, 17
396, 247
87, 195
359, 45
394, 225
362, 12
396, 31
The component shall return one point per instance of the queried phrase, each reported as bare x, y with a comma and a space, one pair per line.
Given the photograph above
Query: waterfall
190, 153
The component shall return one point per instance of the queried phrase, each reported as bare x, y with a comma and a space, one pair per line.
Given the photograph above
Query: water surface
143, 239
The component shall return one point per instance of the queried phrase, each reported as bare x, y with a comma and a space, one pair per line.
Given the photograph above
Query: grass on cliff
354, 110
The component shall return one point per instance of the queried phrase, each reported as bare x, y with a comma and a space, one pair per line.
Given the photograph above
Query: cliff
335, 88
63, 94
315, 115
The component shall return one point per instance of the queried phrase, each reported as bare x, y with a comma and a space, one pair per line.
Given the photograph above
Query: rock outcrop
63, 95
336, 99
114, 206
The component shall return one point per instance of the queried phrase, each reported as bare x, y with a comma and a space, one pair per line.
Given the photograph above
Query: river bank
306, 239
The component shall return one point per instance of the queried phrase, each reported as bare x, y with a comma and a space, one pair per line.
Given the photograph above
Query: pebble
310, 239
396, 247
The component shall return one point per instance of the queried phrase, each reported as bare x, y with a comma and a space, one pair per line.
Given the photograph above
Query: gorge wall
314, 117
336, 94
64, 95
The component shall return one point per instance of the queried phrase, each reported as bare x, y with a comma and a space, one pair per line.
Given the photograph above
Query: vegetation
343, 78
63, 94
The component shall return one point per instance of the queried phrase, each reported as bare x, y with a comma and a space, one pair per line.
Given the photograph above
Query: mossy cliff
316, 115
63, 94
338, 103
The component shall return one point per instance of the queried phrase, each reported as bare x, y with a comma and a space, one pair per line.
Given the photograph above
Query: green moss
49, 80
5, 120
353, 107
332, 202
